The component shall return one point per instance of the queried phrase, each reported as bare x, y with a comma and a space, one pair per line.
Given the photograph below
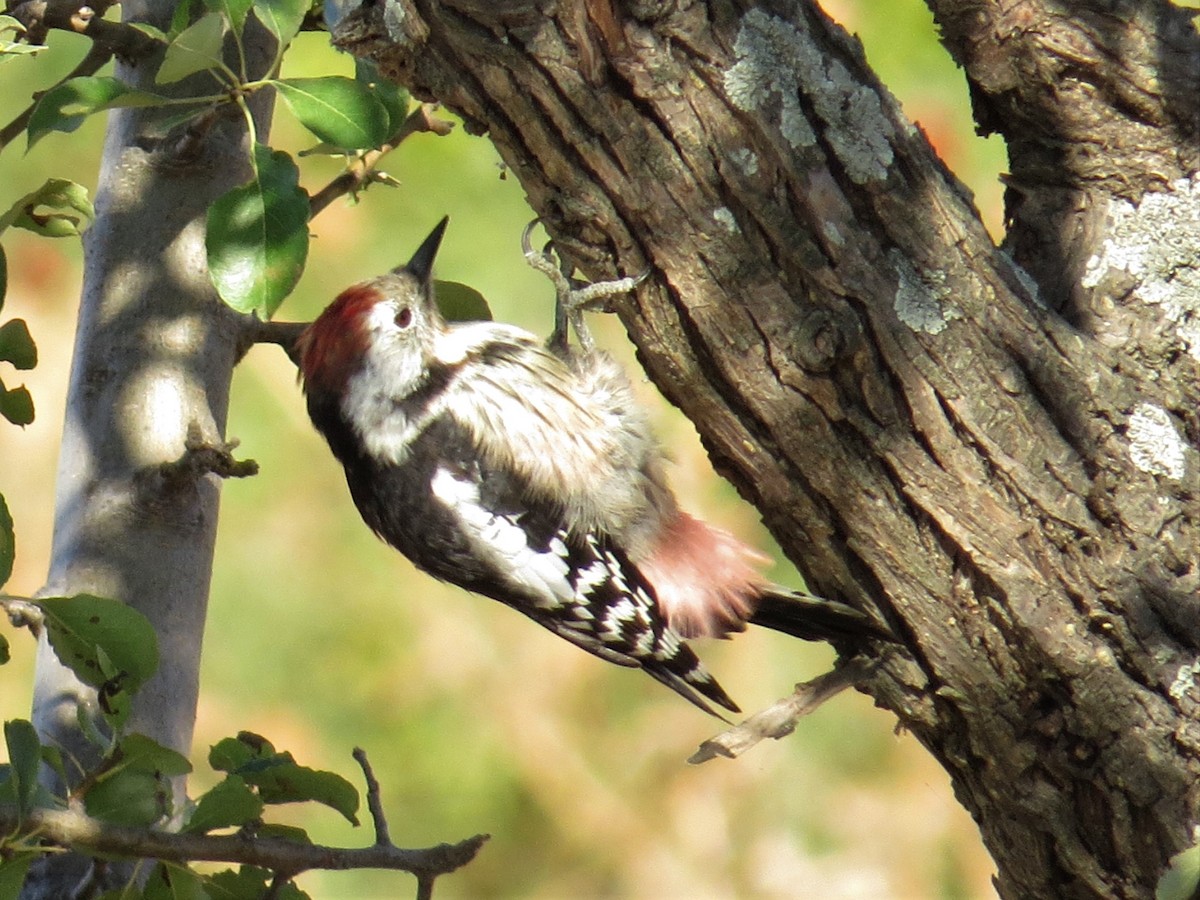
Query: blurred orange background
322, 639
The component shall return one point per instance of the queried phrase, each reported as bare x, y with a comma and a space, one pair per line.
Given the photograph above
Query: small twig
40, 17
200, 457
23, 612
779, 720
256, 331
362, 169
374, 801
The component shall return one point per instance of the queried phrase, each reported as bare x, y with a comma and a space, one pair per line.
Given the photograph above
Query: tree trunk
992, 450
153, 360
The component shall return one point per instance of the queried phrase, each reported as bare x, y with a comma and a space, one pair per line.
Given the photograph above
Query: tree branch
77, 831
256, 331
40, 17
779, 719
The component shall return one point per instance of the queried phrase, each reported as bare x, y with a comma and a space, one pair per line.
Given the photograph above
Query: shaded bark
991, 450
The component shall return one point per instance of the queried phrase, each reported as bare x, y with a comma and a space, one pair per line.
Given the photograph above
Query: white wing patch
541, 576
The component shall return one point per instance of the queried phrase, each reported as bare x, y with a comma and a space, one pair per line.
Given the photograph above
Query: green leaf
5, 655
8, 542
52, 757
461, 303
16, 405
1182, 877
283, 833
195, 49
16, 345
338, 110
278, 778
233, 10
393, 97
64, 107
10, 50
48, 211
3, 276
230, 754
257, 236
12, 874
129, 798
107, 644
142, 754
150, 31
24, 756
283, 18
13, 49
231, 803
249, 883
287, 782
171, 881
180, 18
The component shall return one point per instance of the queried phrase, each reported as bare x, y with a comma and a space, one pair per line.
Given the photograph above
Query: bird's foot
572, 296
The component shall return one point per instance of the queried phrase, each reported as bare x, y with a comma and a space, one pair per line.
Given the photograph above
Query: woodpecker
526, 472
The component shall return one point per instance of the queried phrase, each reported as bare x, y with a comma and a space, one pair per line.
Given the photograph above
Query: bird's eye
404, 317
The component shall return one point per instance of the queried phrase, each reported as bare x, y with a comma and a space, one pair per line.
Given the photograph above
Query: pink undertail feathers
707, 581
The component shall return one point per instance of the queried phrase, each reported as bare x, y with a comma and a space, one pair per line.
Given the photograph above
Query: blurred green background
322, 639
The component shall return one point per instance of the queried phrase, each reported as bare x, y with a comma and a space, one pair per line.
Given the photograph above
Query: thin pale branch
779, 719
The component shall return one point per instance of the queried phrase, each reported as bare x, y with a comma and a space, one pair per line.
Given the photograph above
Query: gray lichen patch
777, 61
1158, 243
923, 301
1155, 445
724, 217
746, 160
1185, 680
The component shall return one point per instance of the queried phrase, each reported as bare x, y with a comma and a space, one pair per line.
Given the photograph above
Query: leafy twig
40, 17
362, 169
75, 830
93, 61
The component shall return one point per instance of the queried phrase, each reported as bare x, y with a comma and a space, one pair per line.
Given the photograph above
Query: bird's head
388, 323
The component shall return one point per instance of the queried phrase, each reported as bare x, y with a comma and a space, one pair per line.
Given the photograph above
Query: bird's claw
573, 297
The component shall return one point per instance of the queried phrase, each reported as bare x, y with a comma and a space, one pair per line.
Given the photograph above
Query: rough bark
153, 359
992, 450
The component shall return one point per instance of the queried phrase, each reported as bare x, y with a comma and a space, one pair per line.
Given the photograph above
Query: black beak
421, 264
